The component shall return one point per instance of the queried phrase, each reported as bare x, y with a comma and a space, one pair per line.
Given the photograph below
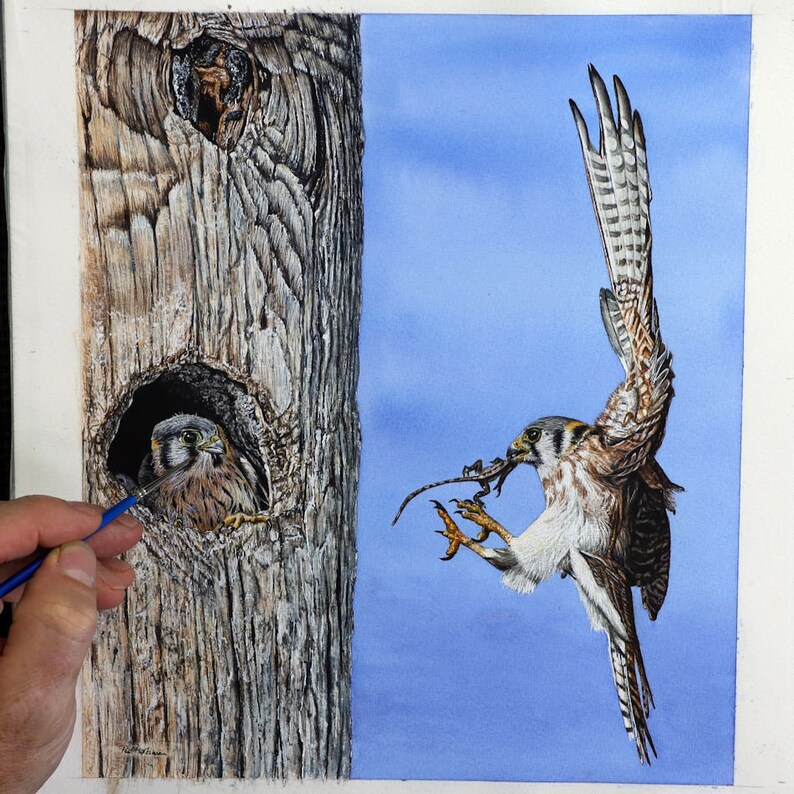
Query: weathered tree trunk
221, 241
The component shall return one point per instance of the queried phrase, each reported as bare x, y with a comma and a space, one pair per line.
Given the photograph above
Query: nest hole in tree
213, 85
189, 389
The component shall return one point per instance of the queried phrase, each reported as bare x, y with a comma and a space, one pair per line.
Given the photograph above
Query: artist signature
134, 749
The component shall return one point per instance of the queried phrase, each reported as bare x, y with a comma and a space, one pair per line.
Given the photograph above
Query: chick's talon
177, 522
235, 520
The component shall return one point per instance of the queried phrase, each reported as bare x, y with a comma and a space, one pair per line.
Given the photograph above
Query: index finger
30, 522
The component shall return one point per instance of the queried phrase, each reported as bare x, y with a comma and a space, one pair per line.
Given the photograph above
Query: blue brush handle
20, 577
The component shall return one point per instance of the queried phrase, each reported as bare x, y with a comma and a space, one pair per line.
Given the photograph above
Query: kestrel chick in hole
220, 487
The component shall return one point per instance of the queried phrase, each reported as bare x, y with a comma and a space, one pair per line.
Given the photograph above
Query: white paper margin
44, 257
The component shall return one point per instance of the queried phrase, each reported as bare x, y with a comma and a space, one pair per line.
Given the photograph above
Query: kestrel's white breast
577, 517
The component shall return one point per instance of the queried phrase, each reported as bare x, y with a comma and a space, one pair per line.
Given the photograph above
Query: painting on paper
552, 280
487, 304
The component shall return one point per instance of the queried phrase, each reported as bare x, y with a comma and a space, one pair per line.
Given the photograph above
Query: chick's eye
533, 435
189, 437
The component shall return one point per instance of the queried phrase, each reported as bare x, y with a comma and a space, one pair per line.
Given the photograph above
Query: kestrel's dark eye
189, 437
533, 435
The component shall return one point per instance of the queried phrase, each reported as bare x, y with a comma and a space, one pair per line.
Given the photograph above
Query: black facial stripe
171, 453
578, 432
557, 439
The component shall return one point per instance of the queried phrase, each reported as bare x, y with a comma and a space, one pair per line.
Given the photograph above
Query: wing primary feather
604, 105
616, 328
581, 128
642, 160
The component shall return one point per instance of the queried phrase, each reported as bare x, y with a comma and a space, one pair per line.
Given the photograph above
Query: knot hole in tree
213, 84
187, 391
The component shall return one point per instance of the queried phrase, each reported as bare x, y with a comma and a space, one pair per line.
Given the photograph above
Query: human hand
53, 625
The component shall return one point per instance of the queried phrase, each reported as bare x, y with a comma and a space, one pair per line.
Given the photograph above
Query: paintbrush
24, 575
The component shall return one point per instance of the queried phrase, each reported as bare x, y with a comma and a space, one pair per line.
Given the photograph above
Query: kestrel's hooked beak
517, 451
214, 445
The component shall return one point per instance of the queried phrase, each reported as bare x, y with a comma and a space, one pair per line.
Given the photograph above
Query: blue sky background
482, 266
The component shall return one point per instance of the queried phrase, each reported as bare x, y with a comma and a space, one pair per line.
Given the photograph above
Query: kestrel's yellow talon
450, 531
472, 508
454, 544
472, 511
236, 519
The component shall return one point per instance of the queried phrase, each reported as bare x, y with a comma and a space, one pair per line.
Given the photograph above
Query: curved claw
453, 545
449, 555
476, 513
470, 507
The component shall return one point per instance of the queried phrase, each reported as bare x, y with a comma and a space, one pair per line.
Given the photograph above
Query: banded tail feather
634, 694
628, 669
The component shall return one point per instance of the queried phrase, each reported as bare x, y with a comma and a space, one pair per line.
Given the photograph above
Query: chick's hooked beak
214, 445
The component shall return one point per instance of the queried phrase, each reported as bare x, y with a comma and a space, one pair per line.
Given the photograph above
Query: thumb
52, 631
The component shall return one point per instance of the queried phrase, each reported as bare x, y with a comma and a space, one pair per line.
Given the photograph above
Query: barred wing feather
617, 173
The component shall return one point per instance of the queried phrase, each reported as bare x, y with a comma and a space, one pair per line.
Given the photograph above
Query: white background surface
44, 226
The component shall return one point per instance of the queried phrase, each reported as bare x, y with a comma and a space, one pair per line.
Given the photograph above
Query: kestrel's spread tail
628, 670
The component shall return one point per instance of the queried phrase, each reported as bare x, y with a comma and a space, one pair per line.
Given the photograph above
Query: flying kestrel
605, 524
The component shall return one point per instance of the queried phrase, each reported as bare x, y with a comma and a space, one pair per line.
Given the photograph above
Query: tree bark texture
221, 220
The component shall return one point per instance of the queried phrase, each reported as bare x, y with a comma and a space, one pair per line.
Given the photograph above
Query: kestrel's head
184, 436
542, 443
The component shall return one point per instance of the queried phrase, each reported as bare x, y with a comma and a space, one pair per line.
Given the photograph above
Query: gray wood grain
231, 656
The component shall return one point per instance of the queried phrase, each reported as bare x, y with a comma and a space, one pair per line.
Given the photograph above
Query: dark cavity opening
188, 389
213, 84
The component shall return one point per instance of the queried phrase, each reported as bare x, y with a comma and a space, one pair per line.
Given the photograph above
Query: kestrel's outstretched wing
633, 420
